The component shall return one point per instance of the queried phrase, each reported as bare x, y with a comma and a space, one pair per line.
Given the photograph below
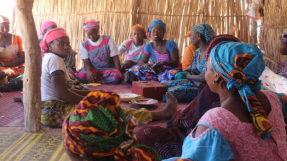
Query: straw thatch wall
274, 24
117, 16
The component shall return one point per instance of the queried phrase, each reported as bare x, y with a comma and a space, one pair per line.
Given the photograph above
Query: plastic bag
273, 82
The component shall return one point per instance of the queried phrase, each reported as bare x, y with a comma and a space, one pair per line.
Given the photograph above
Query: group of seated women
229, 119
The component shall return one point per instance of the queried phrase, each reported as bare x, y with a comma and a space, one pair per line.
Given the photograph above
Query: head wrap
284, 37
4, 19
156, 23
98, 127
241, 65
188, 34
205, 30
52, 35
140, 27
92, 24
218, 39
46, 25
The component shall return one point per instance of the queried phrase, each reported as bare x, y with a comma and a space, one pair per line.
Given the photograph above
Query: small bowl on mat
144, 102
127, 97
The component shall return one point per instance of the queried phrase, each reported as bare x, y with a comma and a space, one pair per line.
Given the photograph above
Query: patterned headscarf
206, 30
92, 24
284, 37
156, 23
98, 127
241, 65
52, 35
138, 26
44, 26
4, 19
220, 38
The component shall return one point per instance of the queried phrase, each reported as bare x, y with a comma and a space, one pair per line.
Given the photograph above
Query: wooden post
33, 61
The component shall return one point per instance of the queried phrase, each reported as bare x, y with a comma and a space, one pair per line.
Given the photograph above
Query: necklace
226, 98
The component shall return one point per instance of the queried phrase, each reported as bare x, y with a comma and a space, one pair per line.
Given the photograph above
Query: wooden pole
33, 61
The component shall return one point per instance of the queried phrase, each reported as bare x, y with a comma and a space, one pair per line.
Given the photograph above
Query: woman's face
157, 33
283, 48
93, 35
60, 46
4, 28
49, 28
210, 77
194, 37
137, 35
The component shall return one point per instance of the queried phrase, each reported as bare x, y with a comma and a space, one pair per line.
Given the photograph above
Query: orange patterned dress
9, 54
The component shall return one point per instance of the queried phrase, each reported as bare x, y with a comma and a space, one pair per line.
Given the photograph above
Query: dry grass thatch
117, 17
275, 23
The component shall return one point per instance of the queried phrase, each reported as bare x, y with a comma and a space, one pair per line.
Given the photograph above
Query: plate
144, 102
127, 96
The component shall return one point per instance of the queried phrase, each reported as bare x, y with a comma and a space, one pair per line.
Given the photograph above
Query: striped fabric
32, 146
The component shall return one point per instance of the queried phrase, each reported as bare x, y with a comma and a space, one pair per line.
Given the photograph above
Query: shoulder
171, 42
105, 37
214, 115
85, 43
50, 57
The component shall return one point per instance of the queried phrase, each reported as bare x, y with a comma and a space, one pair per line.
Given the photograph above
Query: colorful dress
168, 141
281, 69
9, 54
184, 89
164, 73
228, 138
100, 54
132, 52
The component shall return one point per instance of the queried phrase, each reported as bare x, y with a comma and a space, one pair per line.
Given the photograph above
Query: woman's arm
116, 61
174, 58
88, 67
144, 60
81, 92
198, 78
20, 60
61, 90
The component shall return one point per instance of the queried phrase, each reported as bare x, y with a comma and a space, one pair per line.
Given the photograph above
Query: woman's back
242, 137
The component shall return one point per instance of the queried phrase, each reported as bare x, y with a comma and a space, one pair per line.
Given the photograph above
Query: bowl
126, 97
144, 102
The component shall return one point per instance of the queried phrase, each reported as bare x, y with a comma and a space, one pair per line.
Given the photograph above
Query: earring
50, 49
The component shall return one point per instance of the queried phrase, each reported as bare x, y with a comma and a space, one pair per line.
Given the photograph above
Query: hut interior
116, 19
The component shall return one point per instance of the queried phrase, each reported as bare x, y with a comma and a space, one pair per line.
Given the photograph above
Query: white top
50, 64
113, 48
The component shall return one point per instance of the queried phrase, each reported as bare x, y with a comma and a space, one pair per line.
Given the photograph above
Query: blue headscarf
206, 30
241, 65
156, 23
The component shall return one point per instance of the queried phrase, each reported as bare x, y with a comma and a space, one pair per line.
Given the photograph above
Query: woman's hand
90, 76
159, 65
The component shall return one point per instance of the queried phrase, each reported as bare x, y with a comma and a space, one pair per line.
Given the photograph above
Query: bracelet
2, 64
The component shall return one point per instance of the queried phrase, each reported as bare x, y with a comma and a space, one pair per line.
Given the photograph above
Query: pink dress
241, 137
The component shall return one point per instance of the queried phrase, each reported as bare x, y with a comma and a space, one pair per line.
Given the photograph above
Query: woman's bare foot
168, 111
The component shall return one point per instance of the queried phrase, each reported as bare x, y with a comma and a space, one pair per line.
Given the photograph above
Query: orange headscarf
138, 26
3, 19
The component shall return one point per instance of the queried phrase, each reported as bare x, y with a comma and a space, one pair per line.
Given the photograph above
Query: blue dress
184, 89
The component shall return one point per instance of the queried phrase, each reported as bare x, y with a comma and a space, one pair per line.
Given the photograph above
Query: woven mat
31, 147
12, 114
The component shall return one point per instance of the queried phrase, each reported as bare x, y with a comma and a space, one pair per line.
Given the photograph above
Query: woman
169, 142
98, 130
133, 47
164, 55
59, 99
12, 56
188, 55
281, 68
189, 84
248, 120
70, 59
100, 56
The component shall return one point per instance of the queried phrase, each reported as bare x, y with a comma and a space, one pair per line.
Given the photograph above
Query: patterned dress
162, 74
281, 69
102, 63
184, 89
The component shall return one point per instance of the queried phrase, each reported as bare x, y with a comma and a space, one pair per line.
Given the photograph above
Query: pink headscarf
92, 24
52, 35
46, 25
4, 19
